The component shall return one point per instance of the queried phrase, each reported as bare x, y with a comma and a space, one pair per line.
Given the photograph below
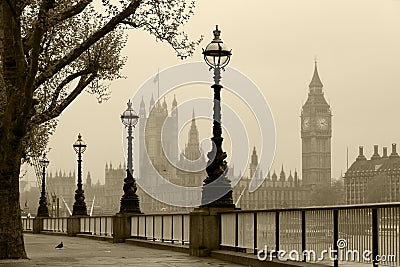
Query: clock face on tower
322, 123
306, 123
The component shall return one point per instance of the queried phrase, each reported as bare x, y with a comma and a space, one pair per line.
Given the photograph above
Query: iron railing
171, 228
329, 235
97, 225
27, 224
54, 224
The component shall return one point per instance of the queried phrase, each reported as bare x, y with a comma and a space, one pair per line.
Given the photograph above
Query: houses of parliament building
159, 155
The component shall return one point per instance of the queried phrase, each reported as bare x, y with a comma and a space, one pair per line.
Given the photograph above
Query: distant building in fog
373, 180
316, 134
288, 190
159, 156
285, 191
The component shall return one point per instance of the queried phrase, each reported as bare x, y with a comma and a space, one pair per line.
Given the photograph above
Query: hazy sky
274, 43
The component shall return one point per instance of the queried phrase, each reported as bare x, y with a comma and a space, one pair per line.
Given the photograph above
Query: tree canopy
50, 52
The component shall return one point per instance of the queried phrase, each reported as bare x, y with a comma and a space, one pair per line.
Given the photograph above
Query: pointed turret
88, 180
174, 110
282, 176
290, 178
315, 81
192, 148
151, 102
174, 103
274, 177
253, 163
316, 127
165, 104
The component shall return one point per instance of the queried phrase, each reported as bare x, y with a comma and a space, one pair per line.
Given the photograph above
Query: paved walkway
86, 252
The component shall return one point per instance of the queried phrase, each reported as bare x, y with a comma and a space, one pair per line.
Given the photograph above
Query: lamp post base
79, 207
43, 211
129, 201
217, 194
217, 190
130, 205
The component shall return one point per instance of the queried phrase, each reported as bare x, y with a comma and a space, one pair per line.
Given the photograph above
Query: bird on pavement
60, 245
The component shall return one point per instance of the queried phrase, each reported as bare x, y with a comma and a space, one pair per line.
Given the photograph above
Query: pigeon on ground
60, 245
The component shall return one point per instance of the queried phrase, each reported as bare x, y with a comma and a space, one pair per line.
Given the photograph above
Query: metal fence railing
53, 224
97, 225
171, 228
362, 234
27, 224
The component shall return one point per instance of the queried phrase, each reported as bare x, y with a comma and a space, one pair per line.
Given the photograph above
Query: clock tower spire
316, 133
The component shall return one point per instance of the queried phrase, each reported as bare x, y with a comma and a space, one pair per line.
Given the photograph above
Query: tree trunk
13, 126
11, 238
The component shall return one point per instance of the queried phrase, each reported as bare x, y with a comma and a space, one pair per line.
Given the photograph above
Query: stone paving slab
85, 252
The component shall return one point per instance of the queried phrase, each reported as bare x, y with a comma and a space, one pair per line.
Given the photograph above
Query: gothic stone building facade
158, 155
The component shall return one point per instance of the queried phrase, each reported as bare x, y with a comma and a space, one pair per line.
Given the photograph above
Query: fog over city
275, 44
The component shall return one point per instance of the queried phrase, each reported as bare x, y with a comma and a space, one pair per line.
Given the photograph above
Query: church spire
316, 81
174, 103
151, 102
192, 150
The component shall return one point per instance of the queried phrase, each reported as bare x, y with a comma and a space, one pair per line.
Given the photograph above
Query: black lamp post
217, 190
79, 205
43, 210
129, 200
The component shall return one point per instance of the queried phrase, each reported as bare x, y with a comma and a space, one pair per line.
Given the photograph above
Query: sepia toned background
274, 43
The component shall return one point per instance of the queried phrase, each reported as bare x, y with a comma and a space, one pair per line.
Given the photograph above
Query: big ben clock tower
316, 133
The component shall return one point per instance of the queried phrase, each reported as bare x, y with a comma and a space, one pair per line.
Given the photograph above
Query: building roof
375, 164
316, 81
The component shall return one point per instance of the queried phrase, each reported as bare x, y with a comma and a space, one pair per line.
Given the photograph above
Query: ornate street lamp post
43, 210
217, 190
130, 200
79, 205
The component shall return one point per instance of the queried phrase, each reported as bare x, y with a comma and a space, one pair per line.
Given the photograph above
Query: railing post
172, 229
37, 225
277, 231
73, 225
255, 233
162, 228
154, 219
145, 227
121, 227
236, 231
138, 227
205, 230
303, 235
183, 230
375, 237
335, 237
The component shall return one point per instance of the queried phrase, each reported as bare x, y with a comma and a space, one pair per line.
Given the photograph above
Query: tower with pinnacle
316, 134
